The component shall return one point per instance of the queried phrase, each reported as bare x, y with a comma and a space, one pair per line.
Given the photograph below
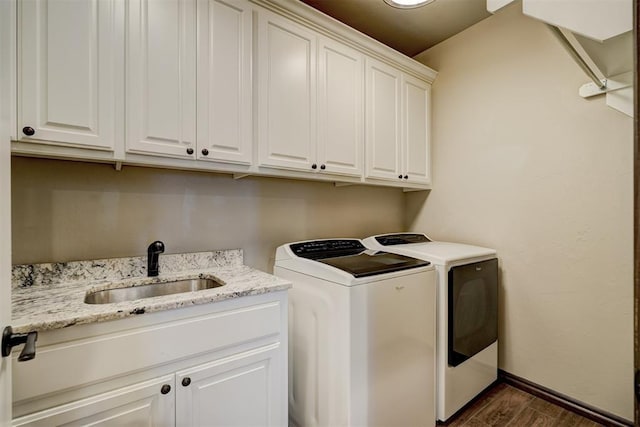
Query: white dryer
467, 325
361, 335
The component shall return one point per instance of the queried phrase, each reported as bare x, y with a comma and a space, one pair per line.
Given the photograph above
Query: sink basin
152, 290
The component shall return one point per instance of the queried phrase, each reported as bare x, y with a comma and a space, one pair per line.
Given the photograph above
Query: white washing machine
361, 335
467, 337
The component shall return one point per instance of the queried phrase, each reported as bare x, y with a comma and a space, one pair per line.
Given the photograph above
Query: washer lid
371, 263
352, 257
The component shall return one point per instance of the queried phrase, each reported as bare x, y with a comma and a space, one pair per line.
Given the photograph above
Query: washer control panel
402, 239
318, 249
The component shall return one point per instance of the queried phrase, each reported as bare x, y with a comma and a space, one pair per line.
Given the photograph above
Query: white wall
65, 211
524, 165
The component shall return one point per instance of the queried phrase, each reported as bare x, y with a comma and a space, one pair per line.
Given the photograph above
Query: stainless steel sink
152, 290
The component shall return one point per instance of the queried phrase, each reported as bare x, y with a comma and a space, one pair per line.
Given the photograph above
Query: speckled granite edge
53, 274
55, 307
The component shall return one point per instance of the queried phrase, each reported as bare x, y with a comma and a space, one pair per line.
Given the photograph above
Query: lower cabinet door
150, 403
239, 390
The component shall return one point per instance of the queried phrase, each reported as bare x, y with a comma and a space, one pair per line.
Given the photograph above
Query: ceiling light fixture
407, 4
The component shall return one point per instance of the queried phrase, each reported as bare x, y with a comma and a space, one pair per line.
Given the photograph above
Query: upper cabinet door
69, 69
415, 130
161, 77
383, 121
287, 87
340, 108
224, 81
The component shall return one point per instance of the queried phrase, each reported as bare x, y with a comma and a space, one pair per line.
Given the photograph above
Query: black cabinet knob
400, 176
186, 381
165, 389
205, 152
314, 166
28, 130
189, 150
323, 167
406, 177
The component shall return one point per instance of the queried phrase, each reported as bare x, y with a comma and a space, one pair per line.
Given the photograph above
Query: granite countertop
51, 296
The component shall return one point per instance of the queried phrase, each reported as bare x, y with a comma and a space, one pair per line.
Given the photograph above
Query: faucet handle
156, 247
153, 253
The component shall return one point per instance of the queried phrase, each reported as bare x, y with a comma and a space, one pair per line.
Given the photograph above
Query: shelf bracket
621, 81
577, 52
618, 89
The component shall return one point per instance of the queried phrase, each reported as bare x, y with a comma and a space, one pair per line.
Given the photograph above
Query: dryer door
473, 309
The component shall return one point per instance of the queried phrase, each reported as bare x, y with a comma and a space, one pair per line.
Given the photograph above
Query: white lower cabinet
222, 364
150, 403
234, 391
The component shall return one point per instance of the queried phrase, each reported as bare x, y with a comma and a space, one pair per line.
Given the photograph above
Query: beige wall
66, 211
523, 164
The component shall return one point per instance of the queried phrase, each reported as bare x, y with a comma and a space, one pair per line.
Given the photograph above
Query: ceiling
409, 31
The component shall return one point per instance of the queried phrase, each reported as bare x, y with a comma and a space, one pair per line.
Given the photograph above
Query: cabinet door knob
189, 150
323, 167
186, 381
314, 166
165, 389
205, 152
406, 177
28, 130
400, 176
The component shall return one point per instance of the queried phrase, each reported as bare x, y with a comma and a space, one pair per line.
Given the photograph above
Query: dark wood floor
505, 405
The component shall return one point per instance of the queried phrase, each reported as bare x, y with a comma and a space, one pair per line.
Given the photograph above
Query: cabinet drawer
89, 360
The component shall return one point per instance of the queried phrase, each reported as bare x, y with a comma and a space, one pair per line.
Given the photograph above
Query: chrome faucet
153, 255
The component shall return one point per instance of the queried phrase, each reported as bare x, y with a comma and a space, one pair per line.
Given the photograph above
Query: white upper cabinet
265, 87
340, 108
383, 136
167, 60
416, 96
287, 93
397, 138
224, 81
68, 59
161, 77
308, 121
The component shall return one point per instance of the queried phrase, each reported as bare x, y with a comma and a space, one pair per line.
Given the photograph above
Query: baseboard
587, 411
